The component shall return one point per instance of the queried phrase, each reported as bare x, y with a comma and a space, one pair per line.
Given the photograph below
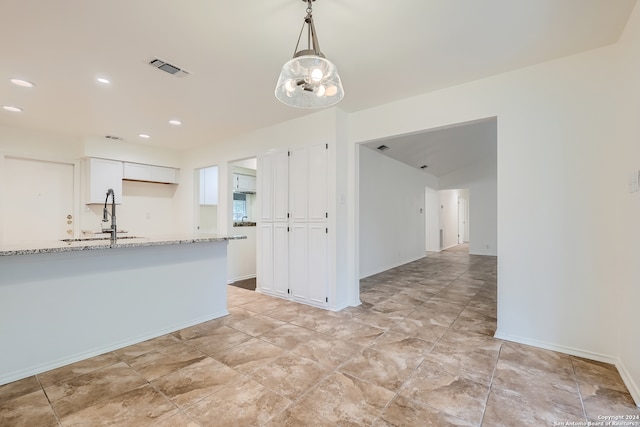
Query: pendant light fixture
309, 80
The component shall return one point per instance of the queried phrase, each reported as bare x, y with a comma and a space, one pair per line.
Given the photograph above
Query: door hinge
287, 229
327, 146
326, 299
288, 291
289, 153
326, 230
326, 214
287, 214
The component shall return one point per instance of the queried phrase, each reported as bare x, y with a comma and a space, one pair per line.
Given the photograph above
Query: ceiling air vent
168, 68
116, 138
383, 147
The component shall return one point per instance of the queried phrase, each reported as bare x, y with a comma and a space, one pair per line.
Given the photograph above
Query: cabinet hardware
69, 216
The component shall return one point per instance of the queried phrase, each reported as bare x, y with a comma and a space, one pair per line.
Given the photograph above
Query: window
239, 207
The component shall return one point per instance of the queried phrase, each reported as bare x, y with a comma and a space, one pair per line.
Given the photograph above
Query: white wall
392, 217
558, 181
625, 215
432, 219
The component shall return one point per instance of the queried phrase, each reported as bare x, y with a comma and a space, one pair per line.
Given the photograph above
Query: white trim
237, 279
634, 390
394, 265
605, 358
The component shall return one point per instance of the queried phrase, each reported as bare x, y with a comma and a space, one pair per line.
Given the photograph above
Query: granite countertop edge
31, 248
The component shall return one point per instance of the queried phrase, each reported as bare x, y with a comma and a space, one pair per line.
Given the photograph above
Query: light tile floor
419, 351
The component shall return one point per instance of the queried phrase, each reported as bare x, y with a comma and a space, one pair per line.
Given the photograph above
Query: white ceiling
443, 150
384, 50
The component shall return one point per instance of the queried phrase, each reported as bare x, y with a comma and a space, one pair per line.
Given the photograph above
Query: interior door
462, 220
38, 200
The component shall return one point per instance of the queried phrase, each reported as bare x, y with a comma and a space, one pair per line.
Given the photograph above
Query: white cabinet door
164, 174
209, 186
299, 184
318, 264
137, 172
150, 173
264, 276
265, 187
243, 182
317, 185
280, 189
101, 175
280, 259
308, 183
308, 260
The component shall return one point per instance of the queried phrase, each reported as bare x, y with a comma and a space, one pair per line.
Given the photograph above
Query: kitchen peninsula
61, 302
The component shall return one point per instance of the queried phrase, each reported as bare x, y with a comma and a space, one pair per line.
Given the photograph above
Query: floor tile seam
46, 396
66, 379
102, 398
577, 381
175, 405
490, 388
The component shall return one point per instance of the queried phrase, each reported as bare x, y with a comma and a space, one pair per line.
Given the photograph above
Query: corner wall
392, 218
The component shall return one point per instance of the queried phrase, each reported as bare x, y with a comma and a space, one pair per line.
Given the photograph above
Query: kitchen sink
89, 239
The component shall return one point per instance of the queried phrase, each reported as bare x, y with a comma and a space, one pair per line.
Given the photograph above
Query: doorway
243, 211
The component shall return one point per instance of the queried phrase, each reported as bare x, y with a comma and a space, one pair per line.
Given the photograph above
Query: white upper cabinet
150, 173
100, 176
209, 186
308, 183
244, 183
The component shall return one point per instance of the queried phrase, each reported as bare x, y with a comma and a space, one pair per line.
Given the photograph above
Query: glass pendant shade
309, 81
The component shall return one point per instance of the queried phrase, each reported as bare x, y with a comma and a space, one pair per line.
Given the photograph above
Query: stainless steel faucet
106, 214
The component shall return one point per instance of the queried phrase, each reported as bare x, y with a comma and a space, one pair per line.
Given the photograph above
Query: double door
293, 238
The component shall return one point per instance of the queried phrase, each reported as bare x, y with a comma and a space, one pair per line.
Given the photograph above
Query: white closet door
299, 261
280, 188
264, 276
318, 265
317, 183
299, 184
265, 187
280, 259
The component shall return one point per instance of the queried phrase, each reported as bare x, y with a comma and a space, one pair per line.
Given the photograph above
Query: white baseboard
34, 370
605, 358
237, 279
633, 388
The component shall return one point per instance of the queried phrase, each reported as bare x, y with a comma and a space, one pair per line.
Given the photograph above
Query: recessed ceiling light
103, 80
23, 83
12, 108
175, 122
144, 135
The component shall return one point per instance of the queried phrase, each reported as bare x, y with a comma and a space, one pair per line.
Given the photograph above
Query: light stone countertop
84, 244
